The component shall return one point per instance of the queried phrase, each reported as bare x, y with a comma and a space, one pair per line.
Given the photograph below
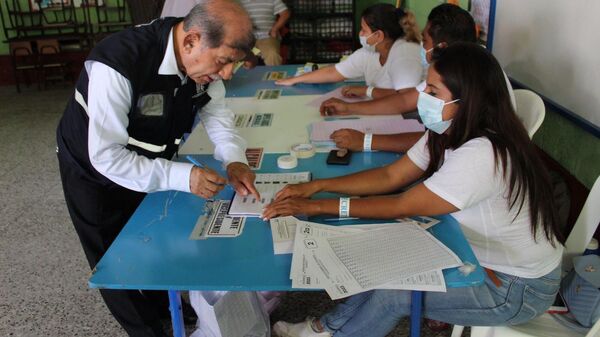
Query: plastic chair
530, 110
545, 325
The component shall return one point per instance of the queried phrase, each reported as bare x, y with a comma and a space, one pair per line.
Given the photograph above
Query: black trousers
99, 213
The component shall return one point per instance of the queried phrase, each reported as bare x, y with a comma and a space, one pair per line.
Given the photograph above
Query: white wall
553, 46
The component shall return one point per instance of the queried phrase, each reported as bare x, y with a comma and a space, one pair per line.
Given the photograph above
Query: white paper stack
346, 260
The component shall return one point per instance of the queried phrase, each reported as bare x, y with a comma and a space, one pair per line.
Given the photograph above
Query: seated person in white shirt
136, 97
268, 16
479, 165
389, 58
447, 24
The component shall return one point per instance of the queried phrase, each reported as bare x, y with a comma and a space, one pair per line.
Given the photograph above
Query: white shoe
285, 329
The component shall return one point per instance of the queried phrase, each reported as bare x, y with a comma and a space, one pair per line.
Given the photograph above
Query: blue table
153, 251
245, 83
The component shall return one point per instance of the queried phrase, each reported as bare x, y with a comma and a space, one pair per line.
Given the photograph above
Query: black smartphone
339, 157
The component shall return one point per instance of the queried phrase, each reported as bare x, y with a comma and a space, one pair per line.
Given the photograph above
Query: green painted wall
575, 149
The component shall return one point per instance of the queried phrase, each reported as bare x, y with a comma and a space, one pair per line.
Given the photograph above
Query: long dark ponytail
472, 74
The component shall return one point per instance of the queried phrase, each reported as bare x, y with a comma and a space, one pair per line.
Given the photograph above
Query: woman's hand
304, 190
334, 106
354, 91
287, 81
348, 139
290, 206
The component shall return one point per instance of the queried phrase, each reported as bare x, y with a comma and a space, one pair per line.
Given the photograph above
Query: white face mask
430, 110
365, 44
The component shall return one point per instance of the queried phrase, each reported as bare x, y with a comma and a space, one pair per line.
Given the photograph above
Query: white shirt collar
169, 62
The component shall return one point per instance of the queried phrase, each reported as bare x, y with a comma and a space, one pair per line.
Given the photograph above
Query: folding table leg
416, 307
176, 315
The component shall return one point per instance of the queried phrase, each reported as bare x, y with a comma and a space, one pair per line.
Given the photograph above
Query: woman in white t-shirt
479, 165
389, 58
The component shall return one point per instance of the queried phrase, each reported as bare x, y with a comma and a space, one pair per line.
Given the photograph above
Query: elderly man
133, 102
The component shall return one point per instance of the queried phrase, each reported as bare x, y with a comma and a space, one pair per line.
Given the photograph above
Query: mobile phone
339, 157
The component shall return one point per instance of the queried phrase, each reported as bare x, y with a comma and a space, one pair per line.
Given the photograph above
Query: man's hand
354, 91
205, 182
250, 61
348, 139
334, 106
241, 179
274, 32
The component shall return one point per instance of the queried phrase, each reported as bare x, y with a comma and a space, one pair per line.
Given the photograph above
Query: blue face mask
430, 110
424, 56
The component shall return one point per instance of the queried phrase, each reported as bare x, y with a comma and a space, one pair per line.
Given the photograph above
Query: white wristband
370, 91
344, 208
367, 142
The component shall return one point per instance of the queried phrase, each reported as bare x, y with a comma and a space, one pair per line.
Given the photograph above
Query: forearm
370, 182
397, 103
380, 92
323, 75
380, 207
282, 18
401, 142
419, 200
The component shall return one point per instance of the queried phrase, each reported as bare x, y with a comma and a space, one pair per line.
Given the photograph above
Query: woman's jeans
516, 300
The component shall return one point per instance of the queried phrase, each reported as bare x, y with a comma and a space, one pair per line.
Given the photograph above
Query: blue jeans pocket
534, 303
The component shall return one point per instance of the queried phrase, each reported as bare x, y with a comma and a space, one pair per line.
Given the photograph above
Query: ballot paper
389, 256
308, 279
321, 131
268, 94
336, 93
267, 185
215, 223
283, 230
424, 221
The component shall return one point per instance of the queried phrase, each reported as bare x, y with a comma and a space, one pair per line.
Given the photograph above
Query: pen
194, 161
197, 163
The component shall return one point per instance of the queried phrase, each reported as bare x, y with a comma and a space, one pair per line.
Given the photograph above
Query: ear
191, 40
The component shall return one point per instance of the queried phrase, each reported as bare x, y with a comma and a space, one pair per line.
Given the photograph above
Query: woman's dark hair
450, 23
394, 22
473, 75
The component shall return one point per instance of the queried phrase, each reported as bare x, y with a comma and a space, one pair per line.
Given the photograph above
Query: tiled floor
43, 273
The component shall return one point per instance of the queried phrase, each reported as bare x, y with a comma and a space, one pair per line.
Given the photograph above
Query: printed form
267, 184
386, 256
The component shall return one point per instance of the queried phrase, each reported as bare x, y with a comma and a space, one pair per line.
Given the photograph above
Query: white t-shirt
469, 180
402, 69
511, 93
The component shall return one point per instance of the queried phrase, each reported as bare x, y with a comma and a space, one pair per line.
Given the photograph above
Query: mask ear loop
454, 101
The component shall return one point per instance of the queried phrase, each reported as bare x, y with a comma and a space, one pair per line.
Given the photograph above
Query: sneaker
285, 329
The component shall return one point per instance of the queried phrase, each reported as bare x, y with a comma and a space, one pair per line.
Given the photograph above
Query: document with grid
348, 260
267, 184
